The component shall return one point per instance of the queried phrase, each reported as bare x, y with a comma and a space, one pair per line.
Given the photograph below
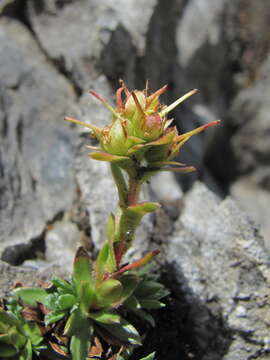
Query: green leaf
31, 295
66, 301
3, 327
105, 262
63, 284
149, 357
145, 316
105, 317
132, 303
54, 316
151, 304
125, 332
8, 318
81, 332
79, 347
132, 215
7, 351
129, 283
147, 288
51, 301
14, 307
82, 269
108, 292
70, 325
87, 297
27, 352
33, 332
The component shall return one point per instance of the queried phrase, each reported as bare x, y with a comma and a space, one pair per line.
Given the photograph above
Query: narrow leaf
124, 332
54, 316
151, 304
105, 317
81, 269
7, 351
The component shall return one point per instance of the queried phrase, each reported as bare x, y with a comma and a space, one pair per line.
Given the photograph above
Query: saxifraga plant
85, 317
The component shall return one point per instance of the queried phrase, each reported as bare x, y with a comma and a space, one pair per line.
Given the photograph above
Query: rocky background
52, 197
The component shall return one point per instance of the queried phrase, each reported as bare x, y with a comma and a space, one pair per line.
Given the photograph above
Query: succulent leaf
105, 262
54, 316
105, 317
7, 351
66, 301
63, 284
149, 357
81, 270
30, 295
125, 332
108, 293
81, 333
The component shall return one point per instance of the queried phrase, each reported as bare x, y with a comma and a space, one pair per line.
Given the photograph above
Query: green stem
120, 183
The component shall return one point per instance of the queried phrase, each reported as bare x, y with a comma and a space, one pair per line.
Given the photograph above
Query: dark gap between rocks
185, 328
17, 254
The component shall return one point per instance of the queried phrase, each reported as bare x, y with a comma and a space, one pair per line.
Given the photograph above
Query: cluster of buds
140, 130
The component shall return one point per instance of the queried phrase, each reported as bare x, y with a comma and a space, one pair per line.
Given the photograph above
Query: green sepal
7, 351
105, 317
31, 295
125, 332
104, 156
81, 270
151, 304
54, 316
108, 293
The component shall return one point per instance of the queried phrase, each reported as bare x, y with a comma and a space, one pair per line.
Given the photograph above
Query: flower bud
131, 107
152, 127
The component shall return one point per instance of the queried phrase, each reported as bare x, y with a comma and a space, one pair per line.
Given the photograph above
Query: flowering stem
133, 191
120, 183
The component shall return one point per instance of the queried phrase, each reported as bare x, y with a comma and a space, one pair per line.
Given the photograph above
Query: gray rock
200, 24
74, 34
27, 276
255, 200
37, 148
250, 113
61, 244
222, 269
